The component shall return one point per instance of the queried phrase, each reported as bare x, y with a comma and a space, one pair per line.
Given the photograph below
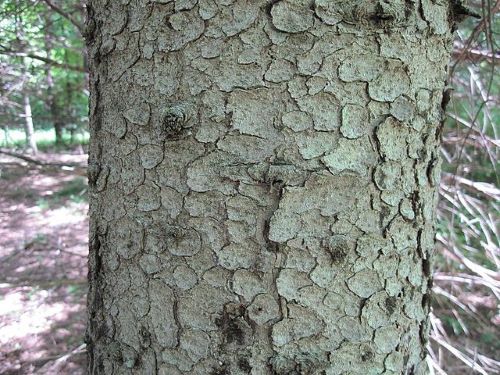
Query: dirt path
43, 267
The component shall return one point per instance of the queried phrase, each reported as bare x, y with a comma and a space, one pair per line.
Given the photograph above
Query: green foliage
46, 139
453, 325
74, 190
76, 290
490, 339
40, 239
43, 203
41, 55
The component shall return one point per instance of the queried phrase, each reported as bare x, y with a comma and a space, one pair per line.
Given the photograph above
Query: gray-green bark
263, 182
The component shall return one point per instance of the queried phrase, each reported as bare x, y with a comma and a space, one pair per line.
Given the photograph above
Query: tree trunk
58, 128
51, 99
29, 130
263, 180
55, 112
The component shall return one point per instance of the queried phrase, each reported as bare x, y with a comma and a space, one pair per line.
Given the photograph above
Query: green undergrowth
45, 139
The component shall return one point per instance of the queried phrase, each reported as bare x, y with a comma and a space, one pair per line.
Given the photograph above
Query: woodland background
43, 194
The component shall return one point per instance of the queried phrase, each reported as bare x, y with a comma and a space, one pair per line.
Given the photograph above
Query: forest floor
43, 266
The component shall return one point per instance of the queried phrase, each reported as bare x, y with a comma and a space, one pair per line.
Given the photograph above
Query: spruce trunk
263, 184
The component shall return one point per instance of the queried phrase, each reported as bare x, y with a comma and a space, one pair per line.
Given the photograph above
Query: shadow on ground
43, 267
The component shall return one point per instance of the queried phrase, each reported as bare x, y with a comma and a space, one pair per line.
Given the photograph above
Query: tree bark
51, 98
263, 184
58, 128
29, 130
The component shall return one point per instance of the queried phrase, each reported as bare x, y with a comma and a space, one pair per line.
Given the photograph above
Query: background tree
263, 184
43, 40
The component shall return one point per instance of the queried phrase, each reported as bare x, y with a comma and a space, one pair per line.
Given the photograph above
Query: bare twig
39, 162
41, 283
57, 360
66, 15
474, 54
5, 51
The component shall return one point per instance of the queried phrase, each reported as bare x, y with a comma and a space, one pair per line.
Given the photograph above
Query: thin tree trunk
28, 125
51, 98
28, 119
263, 180
58, 128
55, 112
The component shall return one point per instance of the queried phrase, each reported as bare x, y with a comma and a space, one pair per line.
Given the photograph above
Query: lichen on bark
263, 184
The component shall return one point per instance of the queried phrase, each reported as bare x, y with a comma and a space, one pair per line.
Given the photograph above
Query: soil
43, 266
